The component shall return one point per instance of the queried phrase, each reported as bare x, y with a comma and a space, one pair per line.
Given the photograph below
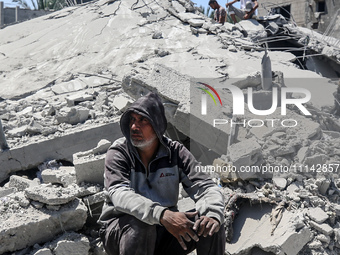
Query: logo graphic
204, 96
239, 100
166, 175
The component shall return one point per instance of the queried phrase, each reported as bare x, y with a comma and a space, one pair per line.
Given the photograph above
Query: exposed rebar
3, 142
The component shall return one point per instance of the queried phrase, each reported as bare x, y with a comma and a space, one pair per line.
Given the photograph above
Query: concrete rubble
60, 113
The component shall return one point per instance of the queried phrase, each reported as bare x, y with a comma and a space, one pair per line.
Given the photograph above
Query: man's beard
143, 143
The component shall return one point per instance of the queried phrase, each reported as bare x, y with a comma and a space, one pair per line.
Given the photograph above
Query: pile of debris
60, 200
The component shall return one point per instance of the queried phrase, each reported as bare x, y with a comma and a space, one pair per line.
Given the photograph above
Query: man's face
141, 132
214, 6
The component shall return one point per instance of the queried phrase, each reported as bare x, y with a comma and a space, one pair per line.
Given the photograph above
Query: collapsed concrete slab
64, 175
89, 165
19, 230
51, 195
62, 147
21, 183
68, 243
77, 246
253, 229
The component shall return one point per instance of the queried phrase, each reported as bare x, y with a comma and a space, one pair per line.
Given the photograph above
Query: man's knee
127, 230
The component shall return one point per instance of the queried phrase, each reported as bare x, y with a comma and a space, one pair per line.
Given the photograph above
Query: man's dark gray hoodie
145, 193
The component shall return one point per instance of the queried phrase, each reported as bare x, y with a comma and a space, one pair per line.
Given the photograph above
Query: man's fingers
203, 227
187, 238
180, 240
215, 228
193, 236
197, 224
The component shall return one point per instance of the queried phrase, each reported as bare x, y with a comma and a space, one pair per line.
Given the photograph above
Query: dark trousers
127, 235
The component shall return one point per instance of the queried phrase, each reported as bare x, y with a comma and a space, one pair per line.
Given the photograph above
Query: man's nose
135, 125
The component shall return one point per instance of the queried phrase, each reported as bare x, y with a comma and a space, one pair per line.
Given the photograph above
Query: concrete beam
174, 89
59, 148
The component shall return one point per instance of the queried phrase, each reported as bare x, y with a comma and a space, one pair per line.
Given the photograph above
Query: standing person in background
220, 13
247, 10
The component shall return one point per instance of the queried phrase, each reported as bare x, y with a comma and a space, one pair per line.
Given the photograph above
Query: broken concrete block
281, 183
186, 16
230, 27
245, 153
323, 238
6, 191
44, 251
102, 147
21, 198
178, 7
316, 244
272, 27
248, 80
337, 235
51, 195
232, 48
101, 99
120, 102
27, 112
254, 30
70, 86
72, 115
324, 228
323, 185
64, 175
303, 153
196, 22
260, 132
20, 230
34, 128
76, 247
21, 183
317, 214
284, 150
89, 168
314, 160
17, 132
336, 208
75, 99
255, 219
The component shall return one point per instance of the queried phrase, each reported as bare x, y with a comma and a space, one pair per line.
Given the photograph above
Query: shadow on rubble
248, 212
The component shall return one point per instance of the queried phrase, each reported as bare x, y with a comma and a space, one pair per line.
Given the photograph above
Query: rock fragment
34, 226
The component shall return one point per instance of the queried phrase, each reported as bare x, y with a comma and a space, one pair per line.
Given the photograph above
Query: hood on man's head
149, 106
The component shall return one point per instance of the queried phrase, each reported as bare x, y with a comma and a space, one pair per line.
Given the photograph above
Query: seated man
143, 171
220, 13
247, 10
